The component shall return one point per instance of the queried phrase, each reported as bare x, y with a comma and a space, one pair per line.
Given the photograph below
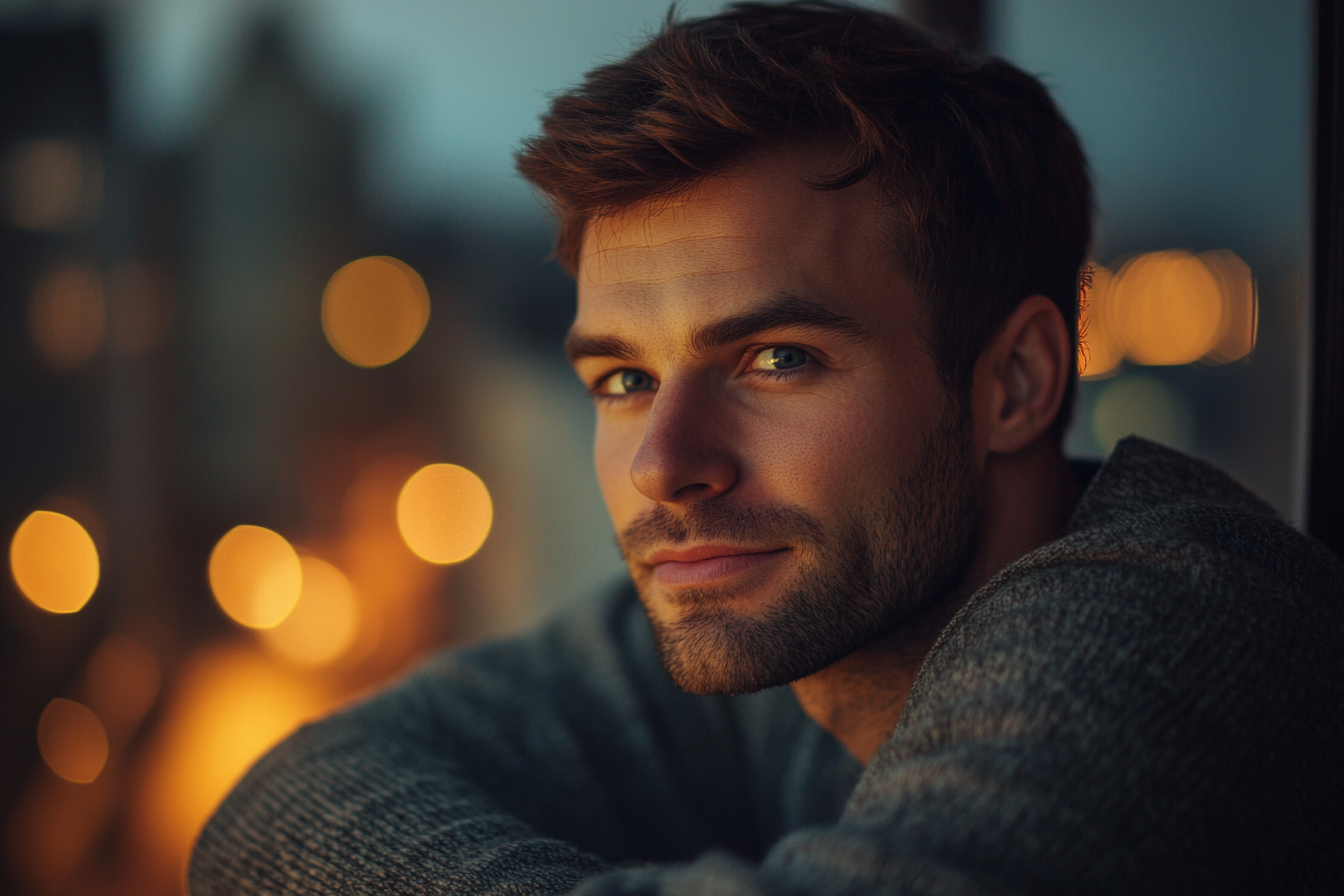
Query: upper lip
703, 552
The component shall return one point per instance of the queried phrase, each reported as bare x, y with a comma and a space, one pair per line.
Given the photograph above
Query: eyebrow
784, 310
578, 346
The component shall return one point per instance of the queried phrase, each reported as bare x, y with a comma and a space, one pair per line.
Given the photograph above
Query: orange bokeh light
374, 310
255, 576
1169, 307
229, 705
1240, 305
54, 562
72, 741
67, 316
444, 513
322, 625
51, 182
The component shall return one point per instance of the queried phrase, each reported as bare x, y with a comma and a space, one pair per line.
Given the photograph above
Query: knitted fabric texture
1153, 703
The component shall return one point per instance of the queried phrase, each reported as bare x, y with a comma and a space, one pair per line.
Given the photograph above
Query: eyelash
752, 352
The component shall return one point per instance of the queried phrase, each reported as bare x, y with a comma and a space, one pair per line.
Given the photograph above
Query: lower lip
712, 569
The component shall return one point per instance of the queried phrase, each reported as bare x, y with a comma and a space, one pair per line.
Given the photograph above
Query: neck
1028, 499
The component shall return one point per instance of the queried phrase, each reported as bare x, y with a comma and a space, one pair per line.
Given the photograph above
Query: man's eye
780, 357
623, 382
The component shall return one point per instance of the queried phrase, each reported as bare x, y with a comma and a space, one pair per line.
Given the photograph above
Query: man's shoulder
1176, 586
1160, 537
1154, 518
1168, 677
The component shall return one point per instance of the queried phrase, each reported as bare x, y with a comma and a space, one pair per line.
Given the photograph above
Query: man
827, 308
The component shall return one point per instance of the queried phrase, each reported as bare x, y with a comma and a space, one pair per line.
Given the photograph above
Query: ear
1021, 376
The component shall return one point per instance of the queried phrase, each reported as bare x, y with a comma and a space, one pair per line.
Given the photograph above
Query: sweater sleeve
1122, 714
525, 765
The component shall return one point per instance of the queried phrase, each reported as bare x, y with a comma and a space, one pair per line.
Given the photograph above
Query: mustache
717, 522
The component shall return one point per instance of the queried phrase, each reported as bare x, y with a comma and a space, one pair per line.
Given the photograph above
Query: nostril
695, 490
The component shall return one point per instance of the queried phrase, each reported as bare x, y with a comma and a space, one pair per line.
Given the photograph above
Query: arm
511, 765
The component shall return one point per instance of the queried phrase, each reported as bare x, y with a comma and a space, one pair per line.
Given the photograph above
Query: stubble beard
853, 585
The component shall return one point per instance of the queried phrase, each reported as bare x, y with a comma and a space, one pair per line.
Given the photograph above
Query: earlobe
1025, 370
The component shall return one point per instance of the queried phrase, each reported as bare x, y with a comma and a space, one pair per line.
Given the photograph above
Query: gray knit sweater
1154, 703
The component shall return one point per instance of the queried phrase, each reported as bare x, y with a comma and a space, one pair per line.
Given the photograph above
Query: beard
854, 584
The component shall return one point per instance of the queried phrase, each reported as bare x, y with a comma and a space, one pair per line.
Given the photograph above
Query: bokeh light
54, 562
1241, 305
374, 310
1139, 404
67, 316
1099, 351
121, 681
255, 576
72, 741
1169, 307
322, 625
229, 705
51, 182
444, 513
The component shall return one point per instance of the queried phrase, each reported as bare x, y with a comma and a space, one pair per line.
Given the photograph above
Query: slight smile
707, 564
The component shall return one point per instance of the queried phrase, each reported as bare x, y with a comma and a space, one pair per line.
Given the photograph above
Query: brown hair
987, 184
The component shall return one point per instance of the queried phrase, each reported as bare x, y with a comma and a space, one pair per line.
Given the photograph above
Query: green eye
624, 382
784, 357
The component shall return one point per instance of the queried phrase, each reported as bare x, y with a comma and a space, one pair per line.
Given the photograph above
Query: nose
686, 454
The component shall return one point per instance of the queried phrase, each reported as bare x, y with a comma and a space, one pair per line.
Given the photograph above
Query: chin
711, 644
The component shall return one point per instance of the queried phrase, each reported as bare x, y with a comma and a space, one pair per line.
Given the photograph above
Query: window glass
1194, 116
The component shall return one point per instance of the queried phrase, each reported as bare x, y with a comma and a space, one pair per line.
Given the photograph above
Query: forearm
526, 763
338, 809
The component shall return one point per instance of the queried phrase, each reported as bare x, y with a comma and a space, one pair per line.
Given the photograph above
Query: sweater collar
1141, 475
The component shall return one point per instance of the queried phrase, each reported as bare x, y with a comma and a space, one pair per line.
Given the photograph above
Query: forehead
734, 241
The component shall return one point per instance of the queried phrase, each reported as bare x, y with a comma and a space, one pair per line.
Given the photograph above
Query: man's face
786, 473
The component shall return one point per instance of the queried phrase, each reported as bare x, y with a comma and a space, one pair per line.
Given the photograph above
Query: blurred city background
271, 298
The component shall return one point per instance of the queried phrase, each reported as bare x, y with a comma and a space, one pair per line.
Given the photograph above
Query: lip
705, 564
701, 552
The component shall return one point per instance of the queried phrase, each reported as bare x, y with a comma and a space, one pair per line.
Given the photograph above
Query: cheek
834, 455
614, 448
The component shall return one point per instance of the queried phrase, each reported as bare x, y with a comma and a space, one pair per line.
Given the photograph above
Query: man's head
810, 249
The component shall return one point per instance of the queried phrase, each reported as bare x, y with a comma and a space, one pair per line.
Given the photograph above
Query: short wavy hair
987, 187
